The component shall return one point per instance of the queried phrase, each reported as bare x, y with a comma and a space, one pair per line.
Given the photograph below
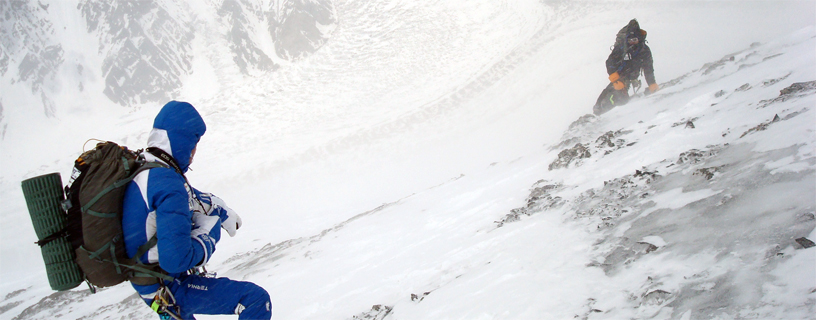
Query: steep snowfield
417, 166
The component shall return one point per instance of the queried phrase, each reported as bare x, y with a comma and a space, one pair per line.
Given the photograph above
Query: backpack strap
54, 236
166, 157
146, 247
115, 185
142, 270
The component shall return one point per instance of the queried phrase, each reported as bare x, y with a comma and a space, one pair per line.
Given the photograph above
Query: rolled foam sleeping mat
43, 195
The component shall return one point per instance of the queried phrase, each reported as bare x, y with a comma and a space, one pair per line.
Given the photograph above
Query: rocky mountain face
243, 17
300, 27
29, 51
146, 47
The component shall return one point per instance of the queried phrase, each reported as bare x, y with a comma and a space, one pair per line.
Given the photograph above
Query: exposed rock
762, 126
417, 298
247, 54
609, 141
798, 87
711, 67
572, 155
644, 247
300, 27
796, 90
582, 121
148, 49
805, 242
46, 307
616, 198
377, 312
685, 122
541, 198
28, 43
9, 306
744, 87
656, 297
707, 173
774, 81
695, 156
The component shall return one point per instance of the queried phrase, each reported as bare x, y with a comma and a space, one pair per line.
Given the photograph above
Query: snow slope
414, 168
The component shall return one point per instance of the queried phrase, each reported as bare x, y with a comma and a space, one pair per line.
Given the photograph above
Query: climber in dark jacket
630, 55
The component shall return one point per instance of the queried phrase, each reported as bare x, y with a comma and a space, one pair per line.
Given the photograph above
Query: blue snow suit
159, 202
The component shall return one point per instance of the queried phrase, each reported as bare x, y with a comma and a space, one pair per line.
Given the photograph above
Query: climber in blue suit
181, 227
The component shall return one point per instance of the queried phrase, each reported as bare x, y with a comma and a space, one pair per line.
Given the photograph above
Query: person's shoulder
646, 49
165, 176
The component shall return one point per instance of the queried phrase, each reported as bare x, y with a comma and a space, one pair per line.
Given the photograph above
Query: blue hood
177, 129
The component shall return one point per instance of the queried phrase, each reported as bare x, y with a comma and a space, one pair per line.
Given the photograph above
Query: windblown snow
437, 159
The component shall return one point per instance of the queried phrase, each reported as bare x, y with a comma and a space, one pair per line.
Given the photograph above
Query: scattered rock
616, 198
774, 81
377, 312
655, 298
644, 247
609, 141
796, 90
805, 242
796, 113
9, 306
711, 67
591, 310
417, 298
798, 87
14, 294
707, 173
649, 176
761, 126
806, 217
695, 156
567, 156
583, 120
685, 122
744, 87
540, 199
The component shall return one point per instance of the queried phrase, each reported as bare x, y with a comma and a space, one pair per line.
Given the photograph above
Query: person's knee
256, 301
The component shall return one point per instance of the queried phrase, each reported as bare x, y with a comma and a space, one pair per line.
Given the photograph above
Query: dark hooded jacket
630, 60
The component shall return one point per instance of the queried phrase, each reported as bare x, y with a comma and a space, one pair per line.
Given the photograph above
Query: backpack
620, 37
93, 218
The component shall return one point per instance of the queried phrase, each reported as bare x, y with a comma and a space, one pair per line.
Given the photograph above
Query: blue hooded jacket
160, 202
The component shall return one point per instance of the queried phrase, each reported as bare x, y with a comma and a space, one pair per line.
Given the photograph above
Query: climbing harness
164, 303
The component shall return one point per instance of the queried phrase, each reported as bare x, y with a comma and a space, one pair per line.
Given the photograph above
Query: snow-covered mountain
410, 160
144, 49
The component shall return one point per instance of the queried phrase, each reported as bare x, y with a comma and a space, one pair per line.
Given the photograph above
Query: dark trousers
611, 98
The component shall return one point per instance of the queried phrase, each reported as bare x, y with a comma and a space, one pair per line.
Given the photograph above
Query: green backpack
81, 237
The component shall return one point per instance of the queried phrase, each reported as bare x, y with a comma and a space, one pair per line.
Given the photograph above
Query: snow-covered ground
418, 166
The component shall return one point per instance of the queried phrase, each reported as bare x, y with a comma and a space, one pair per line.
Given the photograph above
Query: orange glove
618, 85
653, 87
614, 77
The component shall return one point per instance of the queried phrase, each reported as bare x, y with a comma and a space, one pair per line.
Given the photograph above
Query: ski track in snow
686, 208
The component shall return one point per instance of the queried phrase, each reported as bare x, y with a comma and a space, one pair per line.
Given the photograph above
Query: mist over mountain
145, 47
437, 159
